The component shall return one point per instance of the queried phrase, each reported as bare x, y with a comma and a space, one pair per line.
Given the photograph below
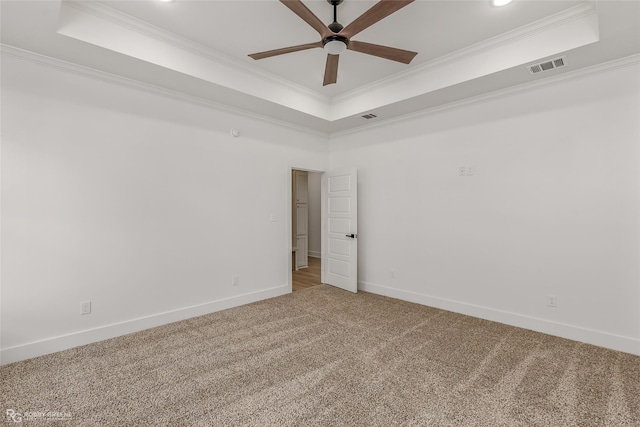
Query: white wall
315, 209
139, 202
552, 208
146, 206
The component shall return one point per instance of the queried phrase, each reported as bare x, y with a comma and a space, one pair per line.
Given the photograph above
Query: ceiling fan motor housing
335, 27
335, 38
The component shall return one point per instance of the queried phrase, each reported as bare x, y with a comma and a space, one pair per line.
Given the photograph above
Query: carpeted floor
325, 357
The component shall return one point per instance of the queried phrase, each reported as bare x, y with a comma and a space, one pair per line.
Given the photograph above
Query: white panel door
340, 229
302, 256
302, 236
302, 187
302, 217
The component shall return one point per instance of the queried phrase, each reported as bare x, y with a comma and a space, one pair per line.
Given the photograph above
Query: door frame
289, 232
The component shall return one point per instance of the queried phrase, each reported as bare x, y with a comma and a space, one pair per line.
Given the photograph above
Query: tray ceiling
200, 48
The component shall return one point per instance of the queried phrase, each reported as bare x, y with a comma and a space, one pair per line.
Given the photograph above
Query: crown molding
47, 61
580, 11
121, 19
69, 67
549, 81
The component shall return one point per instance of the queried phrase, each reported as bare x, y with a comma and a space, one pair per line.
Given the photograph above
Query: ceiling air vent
547, 65
369, 116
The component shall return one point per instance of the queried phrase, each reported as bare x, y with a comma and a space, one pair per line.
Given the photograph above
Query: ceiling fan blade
331, 70
276, 52
307, 16
378, 12
399, 55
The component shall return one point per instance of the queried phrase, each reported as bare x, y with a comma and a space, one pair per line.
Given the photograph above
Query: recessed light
166, 1
498, 3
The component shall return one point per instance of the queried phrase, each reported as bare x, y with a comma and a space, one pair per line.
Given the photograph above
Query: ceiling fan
335, 38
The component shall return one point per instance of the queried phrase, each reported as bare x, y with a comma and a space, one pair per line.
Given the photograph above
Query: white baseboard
576, 333
314, 254
64, 342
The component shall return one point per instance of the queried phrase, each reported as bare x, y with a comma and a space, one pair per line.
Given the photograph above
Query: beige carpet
325, 357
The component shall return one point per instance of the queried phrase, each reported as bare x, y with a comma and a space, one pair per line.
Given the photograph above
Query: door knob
351, 235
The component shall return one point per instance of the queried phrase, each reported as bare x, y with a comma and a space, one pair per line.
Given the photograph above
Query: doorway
306, 234
306, 277
338, 226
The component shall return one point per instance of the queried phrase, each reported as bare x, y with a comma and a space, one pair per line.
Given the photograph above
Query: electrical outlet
552, 301
392, 274
85, 307
235, 280
462, 171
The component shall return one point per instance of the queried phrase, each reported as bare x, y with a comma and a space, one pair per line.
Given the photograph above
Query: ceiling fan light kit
500, 3
335, 45
336, 39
